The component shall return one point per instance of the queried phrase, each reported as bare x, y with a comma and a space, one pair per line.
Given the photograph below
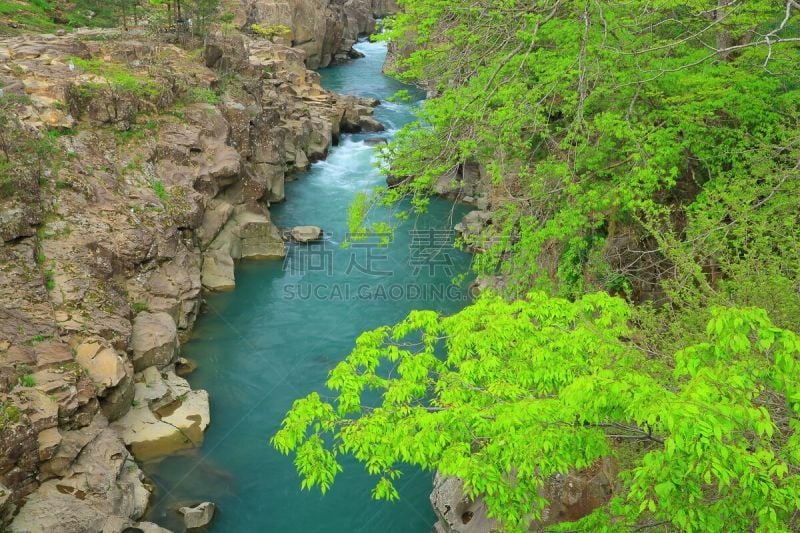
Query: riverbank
152, 169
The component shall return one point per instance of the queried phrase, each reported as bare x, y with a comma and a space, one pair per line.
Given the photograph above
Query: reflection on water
274, 339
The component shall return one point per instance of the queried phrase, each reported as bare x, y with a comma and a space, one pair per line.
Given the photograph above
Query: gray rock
216, 215
167, 416
260, 238
570, 497
456, 512
304, 234
198, 516
370, 124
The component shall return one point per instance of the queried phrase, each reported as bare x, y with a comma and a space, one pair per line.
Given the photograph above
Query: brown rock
52, 354
154, 340
104, 366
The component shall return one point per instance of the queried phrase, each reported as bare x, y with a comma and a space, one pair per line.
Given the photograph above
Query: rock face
324, 29
571, 497
99, 487
103, 256
166, 416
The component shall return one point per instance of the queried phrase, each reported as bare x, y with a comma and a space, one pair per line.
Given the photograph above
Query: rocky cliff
324, 29
156, 170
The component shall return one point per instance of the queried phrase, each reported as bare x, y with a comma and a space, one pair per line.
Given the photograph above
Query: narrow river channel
275, 338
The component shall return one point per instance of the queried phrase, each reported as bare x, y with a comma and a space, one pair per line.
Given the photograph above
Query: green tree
202, 13
671, 121
527, 389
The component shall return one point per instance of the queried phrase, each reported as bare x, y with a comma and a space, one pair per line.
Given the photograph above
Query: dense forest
18, 16
644, 259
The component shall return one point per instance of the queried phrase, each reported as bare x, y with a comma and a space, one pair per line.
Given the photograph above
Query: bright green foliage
205, 95
649, 149
49, 279
118, 78
358, 227
160, 191
271, 31
506, 394
9, 415
672, 121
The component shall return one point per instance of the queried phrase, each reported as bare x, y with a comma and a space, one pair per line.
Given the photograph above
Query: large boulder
167, 415
104, 365
218, 271
260, 238
369, 124
154, 340
198, 516
456, 512
305, 234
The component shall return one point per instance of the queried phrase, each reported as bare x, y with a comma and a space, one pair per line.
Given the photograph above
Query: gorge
544, 275
277, 335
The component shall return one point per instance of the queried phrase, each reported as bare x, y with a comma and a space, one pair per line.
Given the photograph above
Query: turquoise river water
276, 337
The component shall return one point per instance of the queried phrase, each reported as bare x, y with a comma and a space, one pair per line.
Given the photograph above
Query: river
275, 338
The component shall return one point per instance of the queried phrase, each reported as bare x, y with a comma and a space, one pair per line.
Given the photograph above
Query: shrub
271, 31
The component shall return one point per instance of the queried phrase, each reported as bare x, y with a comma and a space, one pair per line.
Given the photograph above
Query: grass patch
49, 279
119, 78
204, 95
161, 191
9, 415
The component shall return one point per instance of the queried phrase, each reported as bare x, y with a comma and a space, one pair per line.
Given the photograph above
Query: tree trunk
724, 38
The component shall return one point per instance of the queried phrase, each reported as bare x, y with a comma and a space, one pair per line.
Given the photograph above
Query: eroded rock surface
571, 497
99, 487
167, 415
325, 30
198, 516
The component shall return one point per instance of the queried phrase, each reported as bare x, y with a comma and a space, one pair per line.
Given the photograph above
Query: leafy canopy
534, 387
672, 121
